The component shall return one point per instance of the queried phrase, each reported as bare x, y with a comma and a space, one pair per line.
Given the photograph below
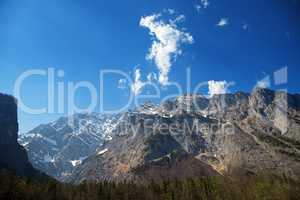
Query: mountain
13, 156
190, 136
56, 148
135, 153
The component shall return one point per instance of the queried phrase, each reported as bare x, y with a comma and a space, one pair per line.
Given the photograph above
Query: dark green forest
14, 187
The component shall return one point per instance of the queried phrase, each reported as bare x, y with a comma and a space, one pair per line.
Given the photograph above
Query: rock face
56, 148
138, 155
228, 134
12, 155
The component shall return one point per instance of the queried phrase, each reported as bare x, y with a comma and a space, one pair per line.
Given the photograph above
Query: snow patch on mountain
77, 162
102, 152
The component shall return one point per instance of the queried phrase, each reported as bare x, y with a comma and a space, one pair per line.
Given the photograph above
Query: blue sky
83, 37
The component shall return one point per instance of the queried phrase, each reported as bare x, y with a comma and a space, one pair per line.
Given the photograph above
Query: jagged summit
235, 134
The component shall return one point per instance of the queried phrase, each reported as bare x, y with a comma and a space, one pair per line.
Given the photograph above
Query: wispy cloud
218, 87
198, 7
202, 4
245, 26
223, 22
170, 11
167, 41
137, 85
178, 19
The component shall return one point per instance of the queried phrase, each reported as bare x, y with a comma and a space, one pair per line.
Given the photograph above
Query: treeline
15, 188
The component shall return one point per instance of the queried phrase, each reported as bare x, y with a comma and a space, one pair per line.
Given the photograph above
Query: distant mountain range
226, 135
56, 148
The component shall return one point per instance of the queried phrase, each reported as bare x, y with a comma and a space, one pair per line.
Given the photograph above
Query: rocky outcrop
12, 155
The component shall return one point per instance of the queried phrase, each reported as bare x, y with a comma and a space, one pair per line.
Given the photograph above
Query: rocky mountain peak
56, 148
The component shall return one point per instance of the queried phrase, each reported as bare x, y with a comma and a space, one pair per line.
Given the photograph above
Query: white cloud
122, 84
218, 87
202, 4
170, 11
223, 22
264, 83
178, 19
166, 44
137, 85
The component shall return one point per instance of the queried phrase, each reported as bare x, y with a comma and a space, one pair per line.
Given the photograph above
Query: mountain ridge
241, 134
238, 133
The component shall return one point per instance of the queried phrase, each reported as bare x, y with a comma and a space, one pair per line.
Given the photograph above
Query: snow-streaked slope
56, 148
